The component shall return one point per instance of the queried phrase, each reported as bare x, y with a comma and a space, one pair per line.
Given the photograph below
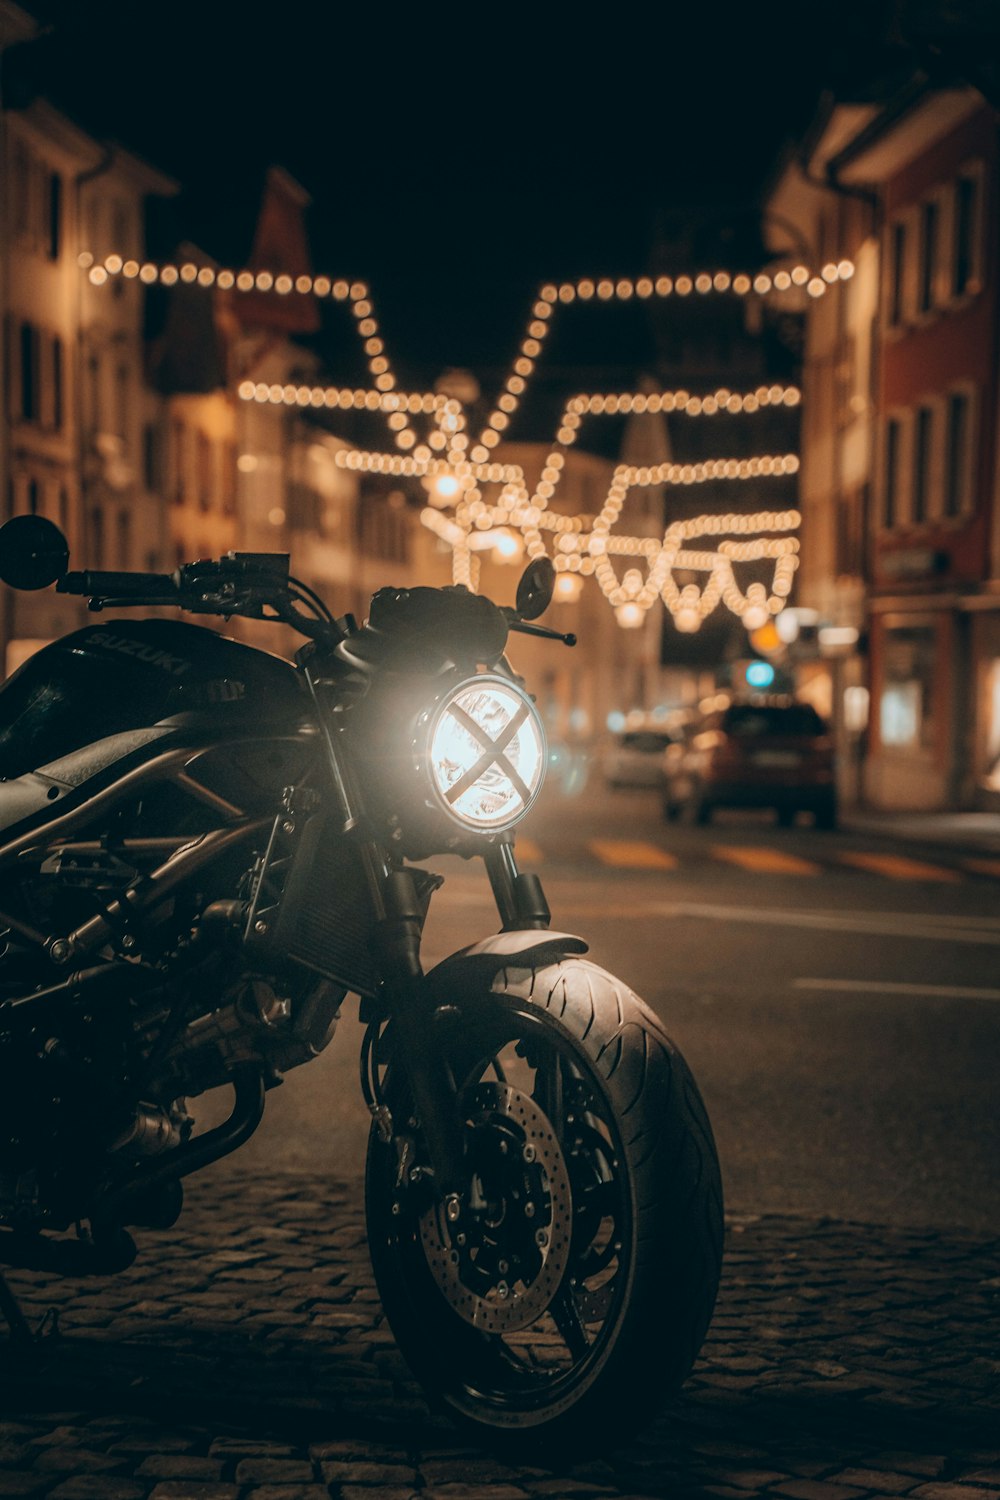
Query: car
759, 753
636, 757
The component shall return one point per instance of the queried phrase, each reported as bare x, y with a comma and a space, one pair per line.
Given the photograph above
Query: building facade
901, 561
79, 421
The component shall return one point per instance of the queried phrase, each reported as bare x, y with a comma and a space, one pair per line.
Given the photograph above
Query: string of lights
518, 516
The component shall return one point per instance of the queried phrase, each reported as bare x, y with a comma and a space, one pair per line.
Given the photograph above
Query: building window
124, 539
965, 230
177, 457
897, 273
94, 393
204, 460
55, 216
20, 190
993, 725
229, 479
30, 372
122, 401
893, 447
928, 256
57, 382
923, 438
36, 199
152, 458
958, 455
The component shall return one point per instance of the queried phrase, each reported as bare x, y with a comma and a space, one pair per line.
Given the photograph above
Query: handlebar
248, 583
225, 586
254, 584
98, 585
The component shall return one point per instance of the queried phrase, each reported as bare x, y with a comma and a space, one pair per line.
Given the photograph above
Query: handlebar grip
97, 585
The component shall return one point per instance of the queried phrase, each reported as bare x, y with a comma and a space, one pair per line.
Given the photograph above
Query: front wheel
575, 1288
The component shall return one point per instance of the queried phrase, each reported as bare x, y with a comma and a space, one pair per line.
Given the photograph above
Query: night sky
456, 159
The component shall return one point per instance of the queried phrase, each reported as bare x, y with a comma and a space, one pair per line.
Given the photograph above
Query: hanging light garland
459, 466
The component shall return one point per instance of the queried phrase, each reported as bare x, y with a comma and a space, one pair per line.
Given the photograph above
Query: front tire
578, 1294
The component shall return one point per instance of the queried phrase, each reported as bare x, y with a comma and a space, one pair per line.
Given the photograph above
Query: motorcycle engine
96, 1066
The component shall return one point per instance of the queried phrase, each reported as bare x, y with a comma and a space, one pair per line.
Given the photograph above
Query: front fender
473, 968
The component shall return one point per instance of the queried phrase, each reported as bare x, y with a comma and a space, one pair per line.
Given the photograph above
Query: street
836, 995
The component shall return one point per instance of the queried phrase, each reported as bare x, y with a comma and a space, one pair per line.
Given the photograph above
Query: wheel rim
533, 1349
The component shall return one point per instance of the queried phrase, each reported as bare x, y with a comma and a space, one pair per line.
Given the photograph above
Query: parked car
636, 757
762, 753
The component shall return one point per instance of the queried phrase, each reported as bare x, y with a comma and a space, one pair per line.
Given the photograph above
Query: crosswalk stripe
983, 866
765, 861
900, 867
528, 852
625, 854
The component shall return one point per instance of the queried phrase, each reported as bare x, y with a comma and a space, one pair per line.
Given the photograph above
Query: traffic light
759, 675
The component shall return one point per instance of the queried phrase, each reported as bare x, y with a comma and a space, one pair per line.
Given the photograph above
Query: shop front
917, 697
986, 746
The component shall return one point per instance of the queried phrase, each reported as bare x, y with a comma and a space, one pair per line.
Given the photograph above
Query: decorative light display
456, 467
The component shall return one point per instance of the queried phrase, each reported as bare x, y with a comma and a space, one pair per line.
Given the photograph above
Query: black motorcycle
205, 848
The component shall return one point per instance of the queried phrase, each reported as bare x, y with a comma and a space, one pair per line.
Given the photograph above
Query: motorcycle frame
406, 1000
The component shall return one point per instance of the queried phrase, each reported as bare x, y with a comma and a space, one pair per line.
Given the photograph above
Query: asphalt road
837, 996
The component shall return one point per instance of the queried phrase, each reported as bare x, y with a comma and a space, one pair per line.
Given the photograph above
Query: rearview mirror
33, 552
534, 592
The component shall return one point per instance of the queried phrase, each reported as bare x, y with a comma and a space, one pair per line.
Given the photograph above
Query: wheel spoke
566, 1316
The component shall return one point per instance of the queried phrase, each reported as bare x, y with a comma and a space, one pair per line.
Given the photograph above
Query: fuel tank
120, 675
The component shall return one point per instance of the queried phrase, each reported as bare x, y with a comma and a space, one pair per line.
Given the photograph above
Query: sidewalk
243, 1357
975, 832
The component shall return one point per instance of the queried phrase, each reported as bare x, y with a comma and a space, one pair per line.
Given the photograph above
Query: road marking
625, 854
765, 861
983, 866
580, 899
887, 987
529, 851
900, 867
936, 929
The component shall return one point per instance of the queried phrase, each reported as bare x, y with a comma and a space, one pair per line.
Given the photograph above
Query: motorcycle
205, 848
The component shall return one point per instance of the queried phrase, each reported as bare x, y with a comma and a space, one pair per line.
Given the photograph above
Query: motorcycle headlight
486, 753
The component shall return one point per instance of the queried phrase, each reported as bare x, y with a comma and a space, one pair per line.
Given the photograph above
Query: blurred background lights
760, 674
453, 463
568, 588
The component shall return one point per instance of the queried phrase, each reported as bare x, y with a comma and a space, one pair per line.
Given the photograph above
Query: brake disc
501, 1264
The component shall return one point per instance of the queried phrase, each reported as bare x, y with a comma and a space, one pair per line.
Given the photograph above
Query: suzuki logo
150, 654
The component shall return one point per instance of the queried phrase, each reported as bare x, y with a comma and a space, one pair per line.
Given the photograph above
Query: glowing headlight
487, 753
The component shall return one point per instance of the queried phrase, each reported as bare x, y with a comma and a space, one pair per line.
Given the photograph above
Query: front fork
415, 1012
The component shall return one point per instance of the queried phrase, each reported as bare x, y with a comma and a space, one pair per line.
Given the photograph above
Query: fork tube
520, 899
412, 1009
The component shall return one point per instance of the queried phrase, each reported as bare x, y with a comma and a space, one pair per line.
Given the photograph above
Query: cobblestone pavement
244, 1357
